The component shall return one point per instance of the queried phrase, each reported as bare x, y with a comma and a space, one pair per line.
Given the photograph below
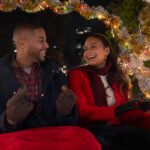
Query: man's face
36, 46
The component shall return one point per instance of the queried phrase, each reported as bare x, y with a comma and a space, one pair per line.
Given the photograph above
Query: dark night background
65, 33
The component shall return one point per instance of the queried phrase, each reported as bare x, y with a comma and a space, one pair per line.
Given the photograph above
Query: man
33, 90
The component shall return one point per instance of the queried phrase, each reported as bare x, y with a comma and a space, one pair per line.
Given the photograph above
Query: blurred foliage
128, 10
147, 63
135, 91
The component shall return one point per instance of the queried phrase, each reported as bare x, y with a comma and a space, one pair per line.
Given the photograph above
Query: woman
102, 98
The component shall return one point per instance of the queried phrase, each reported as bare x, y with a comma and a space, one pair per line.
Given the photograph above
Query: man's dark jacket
52, 79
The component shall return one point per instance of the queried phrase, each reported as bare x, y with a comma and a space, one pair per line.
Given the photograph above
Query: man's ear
21, 42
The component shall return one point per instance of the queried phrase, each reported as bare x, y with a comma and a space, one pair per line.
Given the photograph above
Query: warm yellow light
100, 16
147, 94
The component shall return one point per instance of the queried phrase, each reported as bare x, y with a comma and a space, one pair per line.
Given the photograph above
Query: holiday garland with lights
135, 47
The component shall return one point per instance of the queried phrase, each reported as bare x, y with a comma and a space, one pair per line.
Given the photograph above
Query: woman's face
95, 53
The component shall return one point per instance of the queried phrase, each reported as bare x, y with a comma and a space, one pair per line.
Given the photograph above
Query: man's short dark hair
25, 26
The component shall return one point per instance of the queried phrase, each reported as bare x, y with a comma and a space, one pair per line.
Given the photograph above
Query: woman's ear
107, 49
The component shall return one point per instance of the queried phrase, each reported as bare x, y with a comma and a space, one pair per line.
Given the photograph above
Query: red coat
79, 83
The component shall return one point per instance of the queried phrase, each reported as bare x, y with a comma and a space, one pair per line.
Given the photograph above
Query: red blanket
50, 138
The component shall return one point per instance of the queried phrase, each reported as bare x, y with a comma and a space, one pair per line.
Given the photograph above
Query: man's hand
66, 101
17, 107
